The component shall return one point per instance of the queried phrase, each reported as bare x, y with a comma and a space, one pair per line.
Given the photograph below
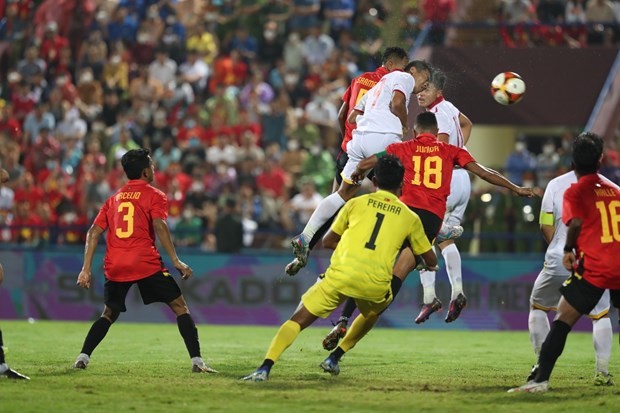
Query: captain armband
546, 218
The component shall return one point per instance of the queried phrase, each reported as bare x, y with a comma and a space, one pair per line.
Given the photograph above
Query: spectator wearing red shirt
437, 12
273, 179
26, 225
133, 216
51, 44
590, 253
23, 100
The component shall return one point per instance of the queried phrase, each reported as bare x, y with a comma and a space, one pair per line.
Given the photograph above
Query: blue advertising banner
251, 288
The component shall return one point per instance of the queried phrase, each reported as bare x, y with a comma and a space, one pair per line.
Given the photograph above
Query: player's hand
526, 192
184, 269
4, 176
84, 279
568, 260
357, 177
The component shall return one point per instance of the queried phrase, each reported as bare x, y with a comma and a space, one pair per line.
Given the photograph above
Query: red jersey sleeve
347, 94
394, 149
571, 206
159, 206
101, 220
463, 157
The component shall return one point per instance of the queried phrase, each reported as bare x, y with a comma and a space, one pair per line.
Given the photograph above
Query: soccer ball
507, 88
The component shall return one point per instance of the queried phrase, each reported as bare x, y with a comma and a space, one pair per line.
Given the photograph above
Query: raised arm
163, 233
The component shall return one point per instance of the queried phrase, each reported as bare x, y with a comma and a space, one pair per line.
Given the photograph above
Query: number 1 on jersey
375, 232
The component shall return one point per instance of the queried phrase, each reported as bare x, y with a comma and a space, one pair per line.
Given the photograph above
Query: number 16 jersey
130, 244
373, 229
428, 171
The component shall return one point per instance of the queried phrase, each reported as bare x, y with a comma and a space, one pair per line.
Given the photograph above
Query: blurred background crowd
237, 101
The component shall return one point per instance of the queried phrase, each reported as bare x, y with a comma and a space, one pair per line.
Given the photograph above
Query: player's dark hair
587, 152
438, 79
396, 52
134, 162
420, 66
389, 172
425, 122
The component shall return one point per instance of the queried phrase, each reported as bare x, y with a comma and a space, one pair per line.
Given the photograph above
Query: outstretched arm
399, 109
92, 238
163, 233
495, 178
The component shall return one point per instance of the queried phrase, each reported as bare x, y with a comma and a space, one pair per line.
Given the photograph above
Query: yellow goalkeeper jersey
373, 229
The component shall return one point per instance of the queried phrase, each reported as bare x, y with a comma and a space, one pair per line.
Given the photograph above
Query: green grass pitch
145, 368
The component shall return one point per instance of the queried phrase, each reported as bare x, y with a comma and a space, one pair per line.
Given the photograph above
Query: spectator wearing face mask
547, 164
520, 161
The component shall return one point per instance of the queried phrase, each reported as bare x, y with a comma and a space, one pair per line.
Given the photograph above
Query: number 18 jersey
428, 171
373, 229
128, 216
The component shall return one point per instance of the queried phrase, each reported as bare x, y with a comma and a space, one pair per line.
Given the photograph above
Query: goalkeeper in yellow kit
367, 236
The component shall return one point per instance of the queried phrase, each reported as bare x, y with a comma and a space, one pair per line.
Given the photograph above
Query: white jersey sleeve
444, 124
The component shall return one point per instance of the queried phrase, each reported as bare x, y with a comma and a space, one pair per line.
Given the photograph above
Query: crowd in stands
237, 101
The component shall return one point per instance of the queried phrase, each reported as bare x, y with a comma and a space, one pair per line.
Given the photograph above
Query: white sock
326, 209
602, 336
428, 284
452, 257
198, 361
538, 324
3, 367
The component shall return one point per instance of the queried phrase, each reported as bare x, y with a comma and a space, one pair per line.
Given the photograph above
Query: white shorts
460, 191
363, 145
546, 295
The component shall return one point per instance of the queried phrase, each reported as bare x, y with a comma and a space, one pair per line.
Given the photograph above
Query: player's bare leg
189, 332
95, 335
285, 336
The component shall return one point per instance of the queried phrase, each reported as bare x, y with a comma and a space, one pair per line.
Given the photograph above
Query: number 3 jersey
428, 171
373, 229
128, 216
597, 203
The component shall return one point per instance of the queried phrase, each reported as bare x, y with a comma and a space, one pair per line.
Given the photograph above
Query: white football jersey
552, 204
448, 121
375, 105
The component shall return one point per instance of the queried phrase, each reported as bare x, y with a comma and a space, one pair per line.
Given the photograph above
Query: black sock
337, 354
551, 349
396, 284
96, 333
267, 365
189, 332
347, 311
2, 361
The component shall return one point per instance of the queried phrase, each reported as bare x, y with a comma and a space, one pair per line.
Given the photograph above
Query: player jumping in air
384, 122
133, 216
591, 210
394, 58
428, 170
367, 235
455, 129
